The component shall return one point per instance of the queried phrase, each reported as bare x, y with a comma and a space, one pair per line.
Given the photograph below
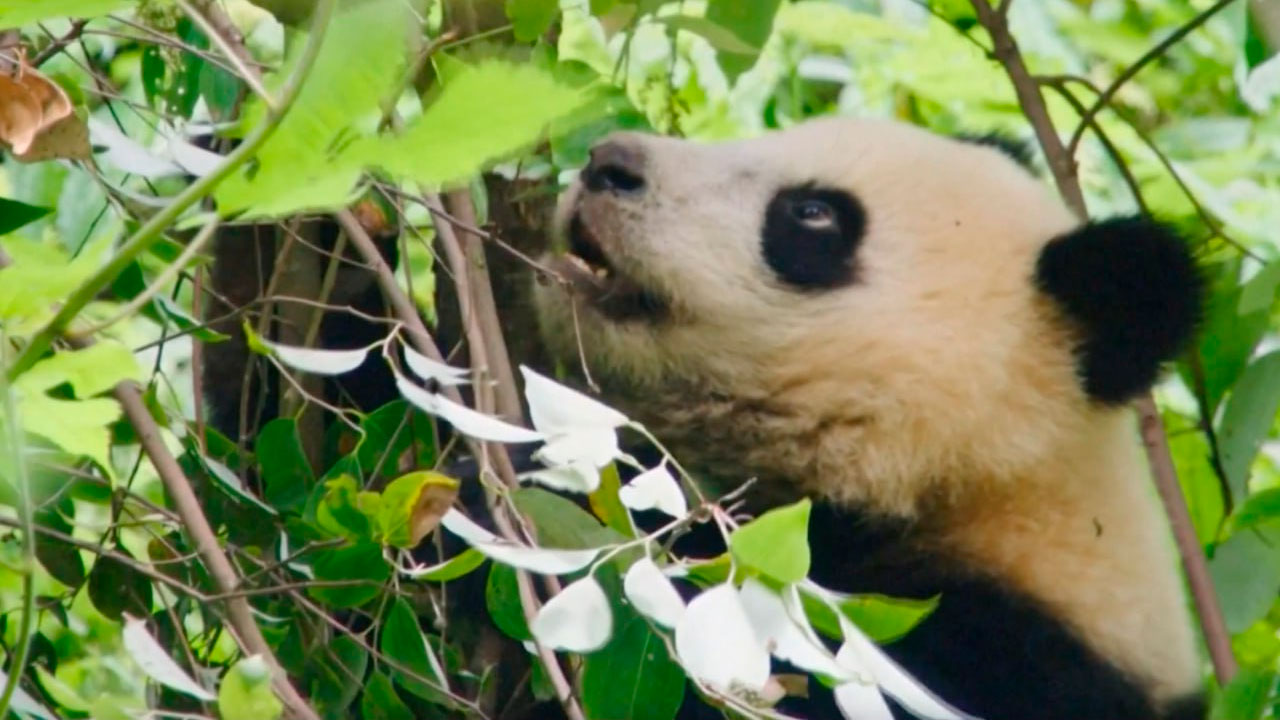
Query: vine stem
153, 228
1063, 166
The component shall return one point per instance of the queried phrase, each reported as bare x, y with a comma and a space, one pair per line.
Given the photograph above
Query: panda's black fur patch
813, 256
1133, 288
1019, 151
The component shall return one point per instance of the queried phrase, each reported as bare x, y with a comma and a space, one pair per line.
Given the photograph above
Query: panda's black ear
1133, 288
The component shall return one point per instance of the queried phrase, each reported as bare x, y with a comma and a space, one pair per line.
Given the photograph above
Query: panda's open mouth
594, 276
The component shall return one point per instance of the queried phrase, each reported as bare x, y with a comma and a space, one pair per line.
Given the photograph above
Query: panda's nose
616, 166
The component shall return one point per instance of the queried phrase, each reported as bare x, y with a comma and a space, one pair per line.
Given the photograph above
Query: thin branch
214, 23
1061, 162
1160, 48
58, 44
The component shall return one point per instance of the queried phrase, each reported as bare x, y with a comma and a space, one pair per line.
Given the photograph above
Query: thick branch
1062, 164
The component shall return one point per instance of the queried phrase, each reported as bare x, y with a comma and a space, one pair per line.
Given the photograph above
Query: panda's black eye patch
810, 235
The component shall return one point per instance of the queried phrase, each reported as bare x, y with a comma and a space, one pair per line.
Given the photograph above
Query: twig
208, 16
150, 232
1209, 611
1160, 48
55, 47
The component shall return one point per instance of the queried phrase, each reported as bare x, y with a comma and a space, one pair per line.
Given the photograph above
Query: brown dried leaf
37, 119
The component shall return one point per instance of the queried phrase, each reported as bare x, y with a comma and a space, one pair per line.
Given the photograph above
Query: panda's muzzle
592, 275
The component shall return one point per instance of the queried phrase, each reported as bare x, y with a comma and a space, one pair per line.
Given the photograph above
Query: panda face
846, 296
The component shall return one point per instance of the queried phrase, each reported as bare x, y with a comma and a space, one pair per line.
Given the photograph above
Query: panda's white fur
937, 386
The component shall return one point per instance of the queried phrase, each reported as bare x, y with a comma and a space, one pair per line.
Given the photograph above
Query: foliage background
404, 99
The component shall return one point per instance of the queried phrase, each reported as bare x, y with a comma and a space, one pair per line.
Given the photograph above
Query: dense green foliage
110, 604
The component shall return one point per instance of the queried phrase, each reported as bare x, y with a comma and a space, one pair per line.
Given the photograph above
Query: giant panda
913, 331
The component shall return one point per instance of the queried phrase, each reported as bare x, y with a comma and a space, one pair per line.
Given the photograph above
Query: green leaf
16, 13
1247, 418
606, 505
502, 598
362, 561
412, 506
751, 21
776, 543
286, 474
245, 692
457, 566
115, 587
339, 510
62, 560
483, 114
562, 523
1262, 508
404, 642
80, 427
883, 619
90, 371
1260, 291
306, 163
531, 18
720, 37
336, 675
1246, 697
14, 214
1246, 572
388, 432
1228, 338
380, 701
633, 676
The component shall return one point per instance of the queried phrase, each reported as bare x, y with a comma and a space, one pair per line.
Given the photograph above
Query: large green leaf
245, 692
90, 371
304, 164
633, 676
777, 543
403, 641
362, 561
14, 214
285, 470
1246, 573
502, 598
531, 18
484, 113
1247, 418
336, 675
15, 13
750, 21
380, 701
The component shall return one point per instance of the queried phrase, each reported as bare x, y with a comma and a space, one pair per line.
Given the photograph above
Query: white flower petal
555, 408
320, 362
428, 369
716, 643
156, 663
655, 489
464, 419
652, 593
466, 528
576, 477
21, 702
858, 653
862, 701
577, 619
597, 447
779, 629
545, 561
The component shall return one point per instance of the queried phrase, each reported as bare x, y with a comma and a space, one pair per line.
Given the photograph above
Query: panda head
859, 300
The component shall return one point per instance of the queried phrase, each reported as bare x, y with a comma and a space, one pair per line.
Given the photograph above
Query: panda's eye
814, 214
810, 236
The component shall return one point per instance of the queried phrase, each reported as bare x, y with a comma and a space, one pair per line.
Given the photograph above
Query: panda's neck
1085, 536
